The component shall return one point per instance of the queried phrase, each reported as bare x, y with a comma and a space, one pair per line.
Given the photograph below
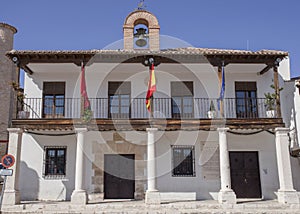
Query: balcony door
119, 94
182, 99
53, 99
246, 99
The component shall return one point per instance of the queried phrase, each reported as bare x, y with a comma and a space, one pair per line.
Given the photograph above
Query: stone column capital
151, 129
282, 131
223, 129
15, 130
80, 130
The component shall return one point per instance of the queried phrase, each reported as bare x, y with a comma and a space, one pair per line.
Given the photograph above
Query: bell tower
141, 31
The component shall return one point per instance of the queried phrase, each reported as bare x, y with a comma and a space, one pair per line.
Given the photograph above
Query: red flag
83, 92
151, 88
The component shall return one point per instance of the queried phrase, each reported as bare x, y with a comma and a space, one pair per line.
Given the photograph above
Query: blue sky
93, 24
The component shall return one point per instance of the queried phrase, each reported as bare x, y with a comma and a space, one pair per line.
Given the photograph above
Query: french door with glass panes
246, 100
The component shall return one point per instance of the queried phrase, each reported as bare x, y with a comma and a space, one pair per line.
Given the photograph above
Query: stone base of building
79, 197
11, 197
288, 197
152, 197
227, 197
96, 197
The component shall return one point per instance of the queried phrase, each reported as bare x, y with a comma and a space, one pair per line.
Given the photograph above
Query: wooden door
119, 177
245, 178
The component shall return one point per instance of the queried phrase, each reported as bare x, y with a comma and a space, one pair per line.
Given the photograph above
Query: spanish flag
151, 87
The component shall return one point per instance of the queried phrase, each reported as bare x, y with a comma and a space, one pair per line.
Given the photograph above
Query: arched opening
141, 34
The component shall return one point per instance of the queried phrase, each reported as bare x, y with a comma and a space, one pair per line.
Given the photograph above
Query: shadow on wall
68, 190
29, 183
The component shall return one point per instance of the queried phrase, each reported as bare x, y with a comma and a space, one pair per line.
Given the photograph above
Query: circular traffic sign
8, 160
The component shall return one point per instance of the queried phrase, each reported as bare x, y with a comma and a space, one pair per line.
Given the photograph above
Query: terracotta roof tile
184, 51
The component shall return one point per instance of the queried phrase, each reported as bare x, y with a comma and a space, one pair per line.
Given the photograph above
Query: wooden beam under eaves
27, 69
266, 69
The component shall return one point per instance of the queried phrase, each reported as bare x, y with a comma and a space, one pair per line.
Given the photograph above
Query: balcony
163, 108
123, 113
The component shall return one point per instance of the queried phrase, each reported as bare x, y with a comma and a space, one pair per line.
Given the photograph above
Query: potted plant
22, 114
87, 115
212, 110
270, 102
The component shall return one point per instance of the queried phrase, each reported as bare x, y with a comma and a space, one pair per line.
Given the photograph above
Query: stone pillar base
152, 197
79, 197
288, 197
11, 197
227, 197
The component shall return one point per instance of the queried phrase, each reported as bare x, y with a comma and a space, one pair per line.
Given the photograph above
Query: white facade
205, 184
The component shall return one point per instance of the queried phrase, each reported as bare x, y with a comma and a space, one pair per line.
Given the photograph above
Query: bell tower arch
141, 30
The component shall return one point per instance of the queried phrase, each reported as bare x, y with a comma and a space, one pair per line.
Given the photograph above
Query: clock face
8, 161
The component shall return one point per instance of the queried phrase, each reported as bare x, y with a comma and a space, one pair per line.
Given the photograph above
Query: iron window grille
183, 161
55, 162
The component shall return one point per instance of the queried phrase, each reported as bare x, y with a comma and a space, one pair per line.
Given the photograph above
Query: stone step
130, 207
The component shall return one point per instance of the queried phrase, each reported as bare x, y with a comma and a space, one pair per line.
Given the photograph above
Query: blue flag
222, 92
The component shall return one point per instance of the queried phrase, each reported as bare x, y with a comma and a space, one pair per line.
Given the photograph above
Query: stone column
226, 195
152, 194
11, 194
79, 195
286, 193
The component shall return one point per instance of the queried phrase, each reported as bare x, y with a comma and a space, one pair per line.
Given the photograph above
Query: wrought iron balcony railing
169, 108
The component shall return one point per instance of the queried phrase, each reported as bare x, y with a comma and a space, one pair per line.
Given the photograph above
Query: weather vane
141, 5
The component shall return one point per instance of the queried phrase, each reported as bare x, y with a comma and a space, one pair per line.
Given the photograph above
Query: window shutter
181, 89
54, 88
119, 88
245, 86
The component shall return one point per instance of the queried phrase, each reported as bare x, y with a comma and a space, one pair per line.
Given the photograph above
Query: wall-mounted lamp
15, 60
277, 62
297, 84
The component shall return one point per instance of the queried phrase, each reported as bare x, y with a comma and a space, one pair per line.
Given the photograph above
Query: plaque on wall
209, 160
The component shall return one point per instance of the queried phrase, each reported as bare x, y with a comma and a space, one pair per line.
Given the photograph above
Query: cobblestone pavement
139, 207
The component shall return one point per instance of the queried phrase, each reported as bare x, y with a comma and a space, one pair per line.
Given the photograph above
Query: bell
141, 35
141, 42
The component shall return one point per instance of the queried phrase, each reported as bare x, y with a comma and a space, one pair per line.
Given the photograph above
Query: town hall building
215, 128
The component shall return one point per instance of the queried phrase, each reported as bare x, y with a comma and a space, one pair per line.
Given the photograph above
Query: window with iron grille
183, 161
55, 162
